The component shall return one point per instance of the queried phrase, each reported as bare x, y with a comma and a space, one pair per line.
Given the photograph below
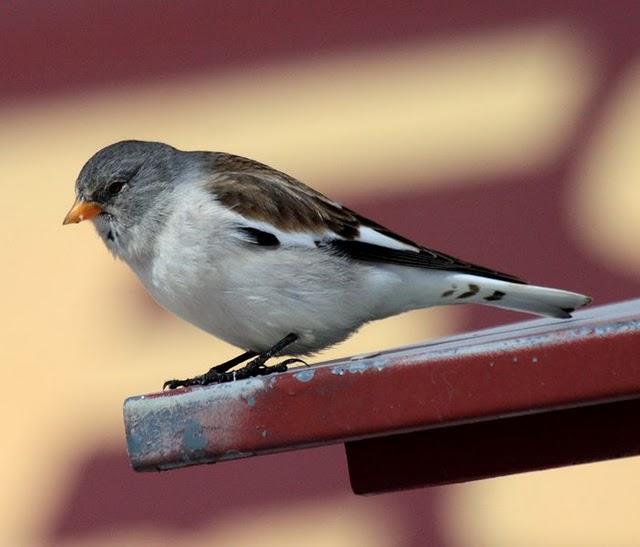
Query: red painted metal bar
525, 396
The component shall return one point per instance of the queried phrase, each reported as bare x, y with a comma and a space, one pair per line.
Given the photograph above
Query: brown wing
258, 192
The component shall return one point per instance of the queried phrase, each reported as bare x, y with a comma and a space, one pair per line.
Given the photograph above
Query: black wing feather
259, 237
424, 258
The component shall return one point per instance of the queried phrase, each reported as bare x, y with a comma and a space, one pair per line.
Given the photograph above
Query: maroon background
516, 224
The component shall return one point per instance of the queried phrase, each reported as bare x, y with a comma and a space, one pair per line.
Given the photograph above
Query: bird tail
515, 296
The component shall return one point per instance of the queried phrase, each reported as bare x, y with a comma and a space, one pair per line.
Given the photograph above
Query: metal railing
525, 396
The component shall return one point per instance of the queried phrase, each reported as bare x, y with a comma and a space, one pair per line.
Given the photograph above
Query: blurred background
504, 133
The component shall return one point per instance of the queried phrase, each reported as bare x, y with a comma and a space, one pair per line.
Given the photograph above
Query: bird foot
256, 367
248, 371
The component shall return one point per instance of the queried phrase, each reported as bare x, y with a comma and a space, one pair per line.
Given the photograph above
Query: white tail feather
515, 296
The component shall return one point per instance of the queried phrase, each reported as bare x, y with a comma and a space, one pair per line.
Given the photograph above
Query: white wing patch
287, 239
369, 235
309, 239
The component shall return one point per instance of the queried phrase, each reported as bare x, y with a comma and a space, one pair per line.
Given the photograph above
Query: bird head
120, 184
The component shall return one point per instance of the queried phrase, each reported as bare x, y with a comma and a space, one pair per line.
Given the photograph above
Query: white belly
254, 299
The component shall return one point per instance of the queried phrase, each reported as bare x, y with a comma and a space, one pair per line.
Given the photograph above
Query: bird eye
114, 187
118, 181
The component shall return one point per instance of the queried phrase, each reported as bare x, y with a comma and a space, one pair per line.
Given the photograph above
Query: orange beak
82, 210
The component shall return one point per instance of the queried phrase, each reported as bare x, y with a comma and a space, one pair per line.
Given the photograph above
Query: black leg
261, 359
256, 367
227, 365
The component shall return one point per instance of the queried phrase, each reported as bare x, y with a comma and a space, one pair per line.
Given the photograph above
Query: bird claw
174, 384
288, 362
213, 377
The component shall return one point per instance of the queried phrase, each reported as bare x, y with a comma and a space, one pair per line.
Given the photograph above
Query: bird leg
256, 367
227, 365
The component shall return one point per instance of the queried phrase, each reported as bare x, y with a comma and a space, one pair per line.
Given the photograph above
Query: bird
266, 263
